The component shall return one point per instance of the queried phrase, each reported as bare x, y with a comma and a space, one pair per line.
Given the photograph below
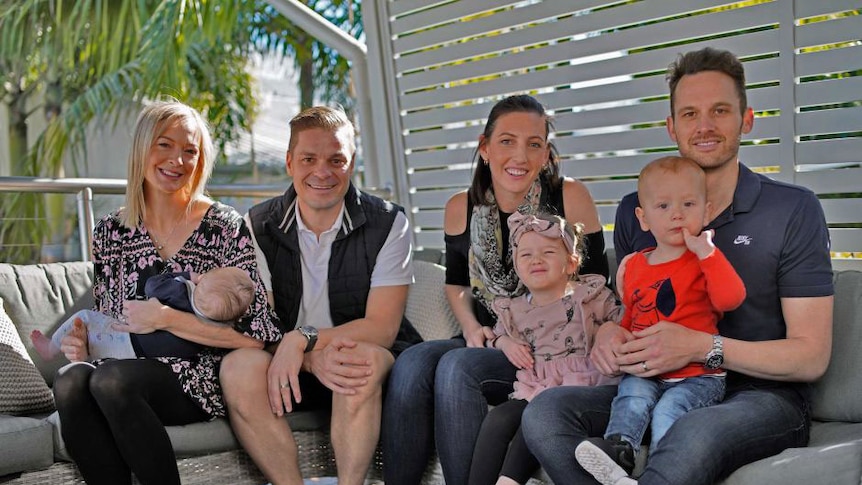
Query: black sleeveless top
458, 249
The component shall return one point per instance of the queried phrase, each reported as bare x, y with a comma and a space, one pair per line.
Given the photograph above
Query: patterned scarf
488, 274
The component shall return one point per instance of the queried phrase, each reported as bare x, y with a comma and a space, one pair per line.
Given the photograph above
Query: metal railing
85, 188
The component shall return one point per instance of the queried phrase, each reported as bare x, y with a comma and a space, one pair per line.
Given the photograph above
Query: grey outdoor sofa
41, 296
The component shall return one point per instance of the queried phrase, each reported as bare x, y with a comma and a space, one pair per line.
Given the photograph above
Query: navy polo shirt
775, 236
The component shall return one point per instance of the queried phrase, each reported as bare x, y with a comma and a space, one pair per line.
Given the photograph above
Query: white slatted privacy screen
599, 66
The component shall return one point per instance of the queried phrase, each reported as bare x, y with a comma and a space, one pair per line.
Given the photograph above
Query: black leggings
501, 449
113, 420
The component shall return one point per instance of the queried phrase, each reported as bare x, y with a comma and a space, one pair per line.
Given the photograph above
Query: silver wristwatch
715, 357
310, 333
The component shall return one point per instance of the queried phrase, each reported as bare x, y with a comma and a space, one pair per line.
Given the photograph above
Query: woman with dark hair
439, 391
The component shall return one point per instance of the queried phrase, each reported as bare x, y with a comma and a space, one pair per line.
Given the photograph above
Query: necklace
161, 245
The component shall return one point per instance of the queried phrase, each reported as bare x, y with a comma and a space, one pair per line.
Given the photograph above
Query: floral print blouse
124, 258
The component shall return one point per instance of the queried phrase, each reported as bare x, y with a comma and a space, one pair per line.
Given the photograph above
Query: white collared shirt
394, 265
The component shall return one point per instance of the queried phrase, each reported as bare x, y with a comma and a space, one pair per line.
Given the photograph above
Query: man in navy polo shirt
772, 346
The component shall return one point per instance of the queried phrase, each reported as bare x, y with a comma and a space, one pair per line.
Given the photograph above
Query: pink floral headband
520, 224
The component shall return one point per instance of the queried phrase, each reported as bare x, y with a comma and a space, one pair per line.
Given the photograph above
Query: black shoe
610, 461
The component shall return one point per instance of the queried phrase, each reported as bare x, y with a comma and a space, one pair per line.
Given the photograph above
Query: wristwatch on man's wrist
310, 333
715, 357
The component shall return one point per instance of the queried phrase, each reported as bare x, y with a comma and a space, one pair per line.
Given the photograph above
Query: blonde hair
152, 121
669, 165
330, 119
224, 294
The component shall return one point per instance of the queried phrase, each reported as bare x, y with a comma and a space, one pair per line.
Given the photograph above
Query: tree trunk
306, 84
18, 133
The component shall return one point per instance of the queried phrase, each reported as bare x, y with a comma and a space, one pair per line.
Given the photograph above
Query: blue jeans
702, 447
439, 392
640, 399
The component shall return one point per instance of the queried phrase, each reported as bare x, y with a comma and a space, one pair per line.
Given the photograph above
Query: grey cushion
22, 389
25, 444
41, 296
838, 394
427, 307
828, 464
203, 438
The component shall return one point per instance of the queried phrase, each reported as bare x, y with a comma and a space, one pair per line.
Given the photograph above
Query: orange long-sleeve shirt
688, 291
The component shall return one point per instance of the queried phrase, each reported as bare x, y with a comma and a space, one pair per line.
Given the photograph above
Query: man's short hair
325, 117
707, 59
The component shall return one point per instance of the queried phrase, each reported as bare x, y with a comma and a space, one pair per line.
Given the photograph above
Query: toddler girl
546, 332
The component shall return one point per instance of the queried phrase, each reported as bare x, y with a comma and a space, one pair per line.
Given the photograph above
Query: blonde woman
113, 412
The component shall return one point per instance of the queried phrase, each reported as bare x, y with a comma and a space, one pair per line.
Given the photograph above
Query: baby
685, 279
219, 296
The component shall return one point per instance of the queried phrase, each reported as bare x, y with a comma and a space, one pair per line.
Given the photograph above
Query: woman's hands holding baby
142, 316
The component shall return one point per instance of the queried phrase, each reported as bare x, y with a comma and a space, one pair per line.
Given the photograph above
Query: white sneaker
601, 466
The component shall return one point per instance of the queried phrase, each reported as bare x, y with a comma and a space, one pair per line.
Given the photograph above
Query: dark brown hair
521, 103
707, 59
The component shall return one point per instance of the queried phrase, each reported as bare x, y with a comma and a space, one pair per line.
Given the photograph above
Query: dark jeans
113, 420
438, 392
702, 447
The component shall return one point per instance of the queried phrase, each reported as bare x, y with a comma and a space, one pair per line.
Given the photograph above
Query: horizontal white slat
613, 117
838, 150
430, 218
555, 100
434, 198
845, 240
807, 8
644, 62
839, 181
430, 239
440, 158
840, 90
606, 166
613, 142
842, 211
436, 138
829, 32
643, 87
655, 34
444, 14
612, 190
479, 26
825, 62
603, 20
440, 178
829, 121
403, 7
649, 138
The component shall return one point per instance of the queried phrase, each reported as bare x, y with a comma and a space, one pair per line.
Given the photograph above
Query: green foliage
91, 61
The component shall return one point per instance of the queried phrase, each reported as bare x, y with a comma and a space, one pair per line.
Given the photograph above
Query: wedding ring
285, 385
646, 368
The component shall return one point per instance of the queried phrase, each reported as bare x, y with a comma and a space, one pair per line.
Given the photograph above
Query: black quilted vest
366, 224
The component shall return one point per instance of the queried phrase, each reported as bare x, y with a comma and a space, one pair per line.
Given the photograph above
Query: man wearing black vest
336, 263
